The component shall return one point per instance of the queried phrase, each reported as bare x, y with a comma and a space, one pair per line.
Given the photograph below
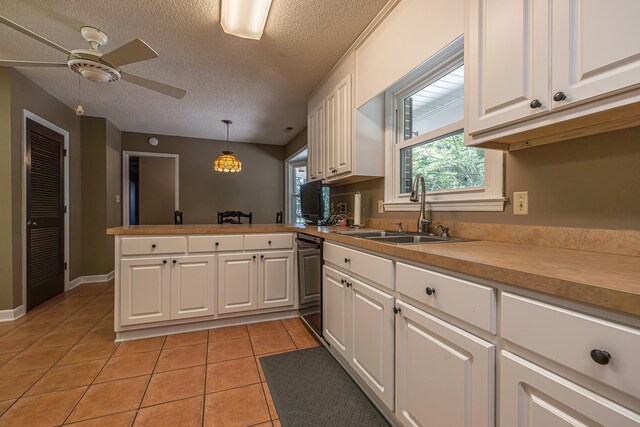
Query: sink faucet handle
445, 230
399, 224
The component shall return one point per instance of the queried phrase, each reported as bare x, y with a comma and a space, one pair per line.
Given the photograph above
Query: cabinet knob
174, 261
343, 281
601, 357
254, 257
164, 261
347, 260
349, 284
430, 290
261, 256
217, 243
396, 310
153, 246
535, 104
559, 96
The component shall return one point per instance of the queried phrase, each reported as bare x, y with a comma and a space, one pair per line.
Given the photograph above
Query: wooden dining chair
234, 217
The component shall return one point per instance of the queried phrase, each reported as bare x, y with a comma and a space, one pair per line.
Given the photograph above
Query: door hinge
64, 152
65, 209
65, 266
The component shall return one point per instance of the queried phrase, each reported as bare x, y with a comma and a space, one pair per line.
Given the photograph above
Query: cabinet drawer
568, 338
470, 302
154, 245
268, 241
371, 267
216, 243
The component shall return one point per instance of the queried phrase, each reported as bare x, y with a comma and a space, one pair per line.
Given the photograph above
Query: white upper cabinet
544, 71
339, 128
345, 145
316, 143
509, 62
596, 48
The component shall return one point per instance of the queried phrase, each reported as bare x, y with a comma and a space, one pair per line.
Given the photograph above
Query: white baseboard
90, 279
12, 314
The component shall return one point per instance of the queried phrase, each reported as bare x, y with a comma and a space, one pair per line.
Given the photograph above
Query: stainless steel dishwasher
310, 280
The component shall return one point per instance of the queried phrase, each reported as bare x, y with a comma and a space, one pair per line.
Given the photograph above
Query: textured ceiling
261, 85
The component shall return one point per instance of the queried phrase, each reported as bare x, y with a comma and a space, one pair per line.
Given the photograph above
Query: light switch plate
380, 206
521, 203
117, 198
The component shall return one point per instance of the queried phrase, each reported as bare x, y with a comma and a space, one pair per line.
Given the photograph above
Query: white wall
408, 36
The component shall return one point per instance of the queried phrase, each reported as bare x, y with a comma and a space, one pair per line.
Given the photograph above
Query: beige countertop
603, 280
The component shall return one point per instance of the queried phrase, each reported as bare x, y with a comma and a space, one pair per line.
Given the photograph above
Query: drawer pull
396, 310
559, 96
217, 243
269, 241
153, 246
430, 291
347, 260
601, 357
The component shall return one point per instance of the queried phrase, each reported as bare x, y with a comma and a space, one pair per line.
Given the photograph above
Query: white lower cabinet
237, 282
166, 288
254, 280
444, 375
192, 286
335, 301
531, 396
275, 279
145, 290
358, 324
371, 330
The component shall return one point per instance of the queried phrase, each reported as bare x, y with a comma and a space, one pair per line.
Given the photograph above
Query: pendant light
227, 162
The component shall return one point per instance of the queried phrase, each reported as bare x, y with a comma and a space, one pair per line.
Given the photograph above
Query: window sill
472, 205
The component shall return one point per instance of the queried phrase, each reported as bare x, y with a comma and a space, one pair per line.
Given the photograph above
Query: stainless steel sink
413, 239
371, 233
398, 238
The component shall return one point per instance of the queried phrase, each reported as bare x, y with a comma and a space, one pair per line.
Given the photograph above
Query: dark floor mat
310, 388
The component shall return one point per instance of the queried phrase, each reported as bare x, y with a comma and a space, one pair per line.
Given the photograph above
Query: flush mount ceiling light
244, 18
227, 162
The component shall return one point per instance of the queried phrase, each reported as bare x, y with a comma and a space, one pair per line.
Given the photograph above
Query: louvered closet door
45, 214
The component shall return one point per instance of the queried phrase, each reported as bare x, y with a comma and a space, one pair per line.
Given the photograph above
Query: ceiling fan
94, 65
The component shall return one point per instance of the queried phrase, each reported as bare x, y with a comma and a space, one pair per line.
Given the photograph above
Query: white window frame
289, 186
490, 197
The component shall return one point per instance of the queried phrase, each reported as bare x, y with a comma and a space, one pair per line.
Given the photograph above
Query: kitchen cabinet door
145, 290
372, 338
342, 127
507, 61
275, 279
444, 375
595, 49
531, 396
193, 286
237, 282
316, 143
335, 308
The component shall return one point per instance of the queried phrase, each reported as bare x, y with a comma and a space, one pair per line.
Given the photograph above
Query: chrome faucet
423, 222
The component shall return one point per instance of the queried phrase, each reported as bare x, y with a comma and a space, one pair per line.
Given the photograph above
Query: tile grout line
101, 369
153, 371
206, 370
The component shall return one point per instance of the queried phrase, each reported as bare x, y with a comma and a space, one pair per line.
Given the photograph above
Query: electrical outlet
521, 203
380, 206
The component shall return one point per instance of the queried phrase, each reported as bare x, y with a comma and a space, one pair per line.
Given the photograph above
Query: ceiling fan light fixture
244, 18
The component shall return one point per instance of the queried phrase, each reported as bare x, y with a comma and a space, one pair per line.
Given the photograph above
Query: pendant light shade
227, 162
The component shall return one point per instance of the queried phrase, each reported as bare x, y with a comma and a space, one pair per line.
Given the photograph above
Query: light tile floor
59, 365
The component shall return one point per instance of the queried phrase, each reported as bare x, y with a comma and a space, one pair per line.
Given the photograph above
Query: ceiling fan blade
134, 51
33, 35
4, 63
154, 85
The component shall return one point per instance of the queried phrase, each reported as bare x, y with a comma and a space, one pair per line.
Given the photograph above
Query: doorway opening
150, 188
